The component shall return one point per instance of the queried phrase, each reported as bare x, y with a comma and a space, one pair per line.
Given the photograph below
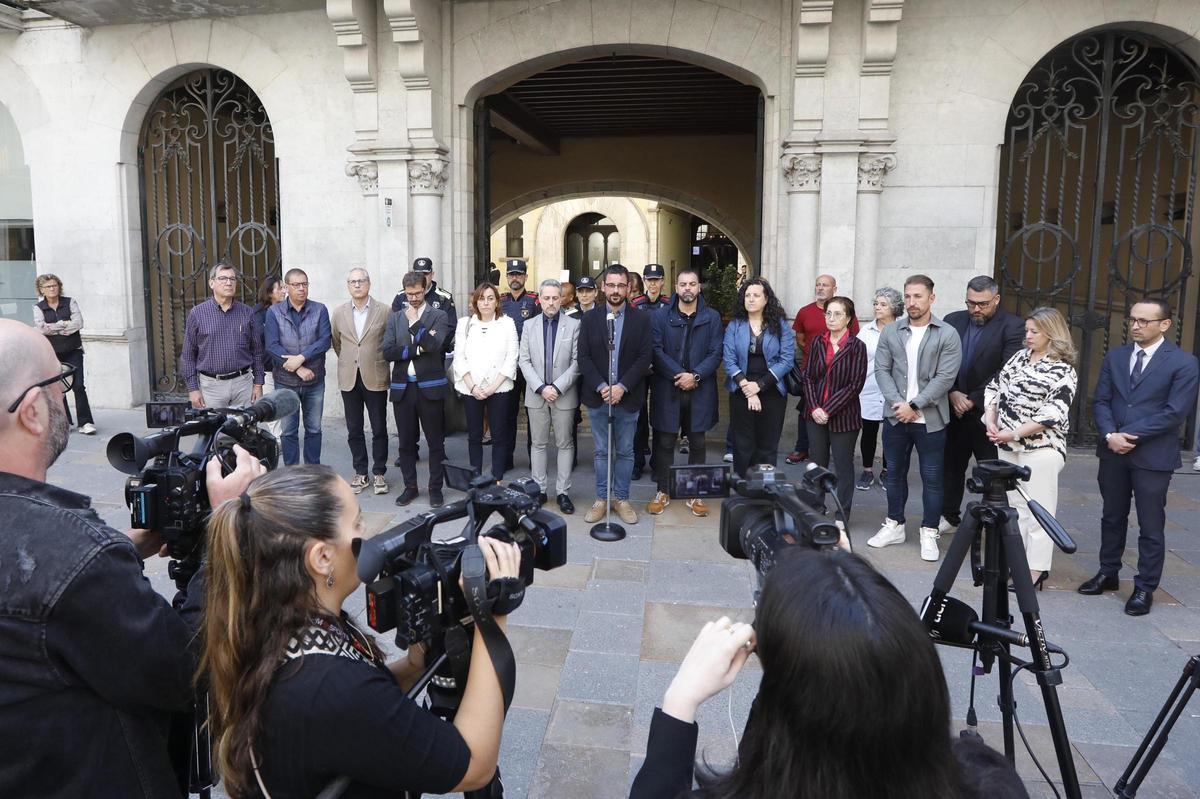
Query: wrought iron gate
210, 191
1097, 193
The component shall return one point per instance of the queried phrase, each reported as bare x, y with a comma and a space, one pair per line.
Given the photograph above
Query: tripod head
994, 479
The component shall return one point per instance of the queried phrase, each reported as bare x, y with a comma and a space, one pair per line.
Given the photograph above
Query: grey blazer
531, 359
937, 368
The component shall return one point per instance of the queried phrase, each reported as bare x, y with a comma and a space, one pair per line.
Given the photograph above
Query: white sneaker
929, 543
1196, 464
88, 429
892, 532
946, 526
729, 457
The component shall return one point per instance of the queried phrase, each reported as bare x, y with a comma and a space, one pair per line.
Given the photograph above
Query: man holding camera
92, 660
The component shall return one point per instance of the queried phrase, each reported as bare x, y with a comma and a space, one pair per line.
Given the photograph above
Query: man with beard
687, 351
520, 306
92, 660
990, 336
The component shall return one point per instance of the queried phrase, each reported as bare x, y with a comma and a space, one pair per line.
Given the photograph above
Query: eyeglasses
66, 376
299, 285
358, 282
415, 297
834, 314
225, 278
1135, 322
981, 304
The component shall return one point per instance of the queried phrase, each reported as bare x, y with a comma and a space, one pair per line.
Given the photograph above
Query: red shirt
811, 322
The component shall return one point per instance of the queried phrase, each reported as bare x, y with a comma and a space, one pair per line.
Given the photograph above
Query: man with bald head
92, 660
810, 323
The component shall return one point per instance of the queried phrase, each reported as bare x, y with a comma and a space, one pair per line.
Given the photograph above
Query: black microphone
279, 404
819, 476
954, 621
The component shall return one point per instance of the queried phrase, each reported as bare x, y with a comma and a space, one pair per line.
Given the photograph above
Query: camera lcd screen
699, 482
165, 414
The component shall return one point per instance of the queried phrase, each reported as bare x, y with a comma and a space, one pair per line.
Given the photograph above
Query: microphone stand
607, 530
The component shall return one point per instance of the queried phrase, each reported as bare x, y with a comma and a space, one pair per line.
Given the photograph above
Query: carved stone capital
871, 170
428, 176
802, 172
367, 173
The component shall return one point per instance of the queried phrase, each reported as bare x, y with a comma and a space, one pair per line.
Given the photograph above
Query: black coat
427, 352
999, 340
633, 360
704, 351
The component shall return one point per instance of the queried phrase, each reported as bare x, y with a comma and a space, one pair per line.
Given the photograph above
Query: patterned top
1039, 392
219, 342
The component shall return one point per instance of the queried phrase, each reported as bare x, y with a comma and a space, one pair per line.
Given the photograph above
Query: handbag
793, 381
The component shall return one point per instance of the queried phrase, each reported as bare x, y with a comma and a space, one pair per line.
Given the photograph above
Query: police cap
585, 282
516, 266
654, 271
423, 265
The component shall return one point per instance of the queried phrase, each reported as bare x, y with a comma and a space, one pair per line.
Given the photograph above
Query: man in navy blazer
633, 351
1145, 392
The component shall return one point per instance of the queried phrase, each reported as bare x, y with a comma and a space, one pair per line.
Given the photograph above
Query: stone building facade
880, 148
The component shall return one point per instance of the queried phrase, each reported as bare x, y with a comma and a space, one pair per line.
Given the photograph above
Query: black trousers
83, 410
756, 433
503, 434
644, 446
664, 445
415, 412
1122, 485
868, 441
513, 414
965, 437
824, 443
375, 402
801, 444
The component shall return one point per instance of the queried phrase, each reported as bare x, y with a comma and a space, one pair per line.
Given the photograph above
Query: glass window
17, 266
514, 235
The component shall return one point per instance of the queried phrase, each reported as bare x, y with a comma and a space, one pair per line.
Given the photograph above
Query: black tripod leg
1157, 735
956, 554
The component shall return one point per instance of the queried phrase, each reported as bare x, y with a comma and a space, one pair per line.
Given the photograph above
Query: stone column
367, 174
871, 170
426, 184
802, 174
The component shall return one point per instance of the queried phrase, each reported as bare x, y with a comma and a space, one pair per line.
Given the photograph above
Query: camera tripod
992, 525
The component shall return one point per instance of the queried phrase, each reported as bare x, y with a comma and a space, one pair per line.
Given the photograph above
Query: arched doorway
1098, 190
210, 191
17, 260
591, 243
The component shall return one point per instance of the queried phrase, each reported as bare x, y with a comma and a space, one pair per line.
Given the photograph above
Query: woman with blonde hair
300, 697
1027, 409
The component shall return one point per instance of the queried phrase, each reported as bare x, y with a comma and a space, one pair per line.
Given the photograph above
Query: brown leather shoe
626, 511
658, 504
596, 512
698, 507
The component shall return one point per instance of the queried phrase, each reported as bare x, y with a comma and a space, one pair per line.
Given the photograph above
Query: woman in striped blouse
833, 379
1027, 407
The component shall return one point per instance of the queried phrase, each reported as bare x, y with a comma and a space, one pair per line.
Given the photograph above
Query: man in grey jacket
916, 409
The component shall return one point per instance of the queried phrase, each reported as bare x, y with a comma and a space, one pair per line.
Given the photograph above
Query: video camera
412, 580
166, 492
770, 513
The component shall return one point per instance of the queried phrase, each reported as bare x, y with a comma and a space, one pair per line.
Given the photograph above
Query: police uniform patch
436, 304
525, 313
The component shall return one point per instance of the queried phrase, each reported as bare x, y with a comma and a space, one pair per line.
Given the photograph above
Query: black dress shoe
436, 500
1139, 602
407, 496
542, 498
1100, 583
637, 473
564, 504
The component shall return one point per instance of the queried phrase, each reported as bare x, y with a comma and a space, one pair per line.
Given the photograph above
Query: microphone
820, 477
955, 622
279, 404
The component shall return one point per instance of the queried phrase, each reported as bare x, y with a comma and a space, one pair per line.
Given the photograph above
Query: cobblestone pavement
599, 639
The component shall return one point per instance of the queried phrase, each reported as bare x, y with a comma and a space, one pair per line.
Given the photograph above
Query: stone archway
557, 216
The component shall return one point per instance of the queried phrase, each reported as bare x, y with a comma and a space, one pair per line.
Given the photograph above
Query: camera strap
474, 574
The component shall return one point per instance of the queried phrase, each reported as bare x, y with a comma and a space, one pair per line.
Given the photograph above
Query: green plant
721, 291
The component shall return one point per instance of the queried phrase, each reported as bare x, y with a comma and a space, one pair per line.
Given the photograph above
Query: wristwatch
1107, 436
696, 377
916, 408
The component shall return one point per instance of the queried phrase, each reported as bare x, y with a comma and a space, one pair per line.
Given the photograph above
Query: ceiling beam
517, 121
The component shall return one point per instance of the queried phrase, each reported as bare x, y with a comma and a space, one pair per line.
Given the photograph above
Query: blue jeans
624, 427
312, 406
898, 443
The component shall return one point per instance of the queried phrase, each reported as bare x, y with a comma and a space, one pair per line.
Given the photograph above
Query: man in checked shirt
222, 360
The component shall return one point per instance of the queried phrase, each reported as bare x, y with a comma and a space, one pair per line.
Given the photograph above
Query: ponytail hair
257, 595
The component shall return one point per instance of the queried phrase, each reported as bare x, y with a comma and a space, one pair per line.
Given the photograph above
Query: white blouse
484, 350
871, 398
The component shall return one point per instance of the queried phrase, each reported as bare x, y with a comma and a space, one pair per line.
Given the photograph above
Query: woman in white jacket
485, 366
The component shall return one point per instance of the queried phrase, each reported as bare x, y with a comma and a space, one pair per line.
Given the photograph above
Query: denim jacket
92, 659
779, 348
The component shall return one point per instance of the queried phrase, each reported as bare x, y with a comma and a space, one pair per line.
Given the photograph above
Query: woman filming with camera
852, 702
299, 696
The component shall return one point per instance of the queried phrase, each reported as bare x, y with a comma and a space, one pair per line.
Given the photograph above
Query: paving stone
628, 570
687, 543
590, 725
536, 686
614, 596
545, 646
581, 773
1162, 781
568, 575
549, 607
598, 677
669, 629
707, 583
607, 632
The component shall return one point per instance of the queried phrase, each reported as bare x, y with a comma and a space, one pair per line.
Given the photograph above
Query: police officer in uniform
653, 300
435, 297
519, 305
585, 294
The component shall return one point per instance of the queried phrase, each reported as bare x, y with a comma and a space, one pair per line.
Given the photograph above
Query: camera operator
299, 695
852, 703
92, 659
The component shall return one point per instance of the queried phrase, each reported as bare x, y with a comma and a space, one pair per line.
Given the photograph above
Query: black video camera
412, 580
166, 492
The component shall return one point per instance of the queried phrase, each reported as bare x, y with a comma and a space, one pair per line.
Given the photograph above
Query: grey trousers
226, 393
541, 420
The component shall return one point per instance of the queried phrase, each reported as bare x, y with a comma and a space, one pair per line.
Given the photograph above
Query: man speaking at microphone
614, 339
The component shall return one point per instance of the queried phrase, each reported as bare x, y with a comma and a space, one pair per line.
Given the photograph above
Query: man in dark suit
990, 335
630, 362
415, 341
1146, 391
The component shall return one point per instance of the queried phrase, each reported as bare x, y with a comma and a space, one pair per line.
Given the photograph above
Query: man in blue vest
298, 336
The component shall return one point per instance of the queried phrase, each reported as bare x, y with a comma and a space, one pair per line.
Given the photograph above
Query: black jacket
999, 340
633, 359
426, 350
92, 660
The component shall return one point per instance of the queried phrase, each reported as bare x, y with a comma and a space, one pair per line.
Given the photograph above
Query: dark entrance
1098, 191
591, 243
210, 191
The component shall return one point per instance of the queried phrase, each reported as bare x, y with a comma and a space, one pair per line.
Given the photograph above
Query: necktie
1136, 374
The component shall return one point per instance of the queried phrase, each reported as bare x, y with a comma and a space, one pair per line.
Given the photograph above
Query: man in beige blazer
358, 326
551, 388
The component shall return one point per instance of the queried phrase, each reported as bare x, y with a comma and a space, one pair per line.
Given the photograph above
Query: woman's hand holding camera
716, 657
